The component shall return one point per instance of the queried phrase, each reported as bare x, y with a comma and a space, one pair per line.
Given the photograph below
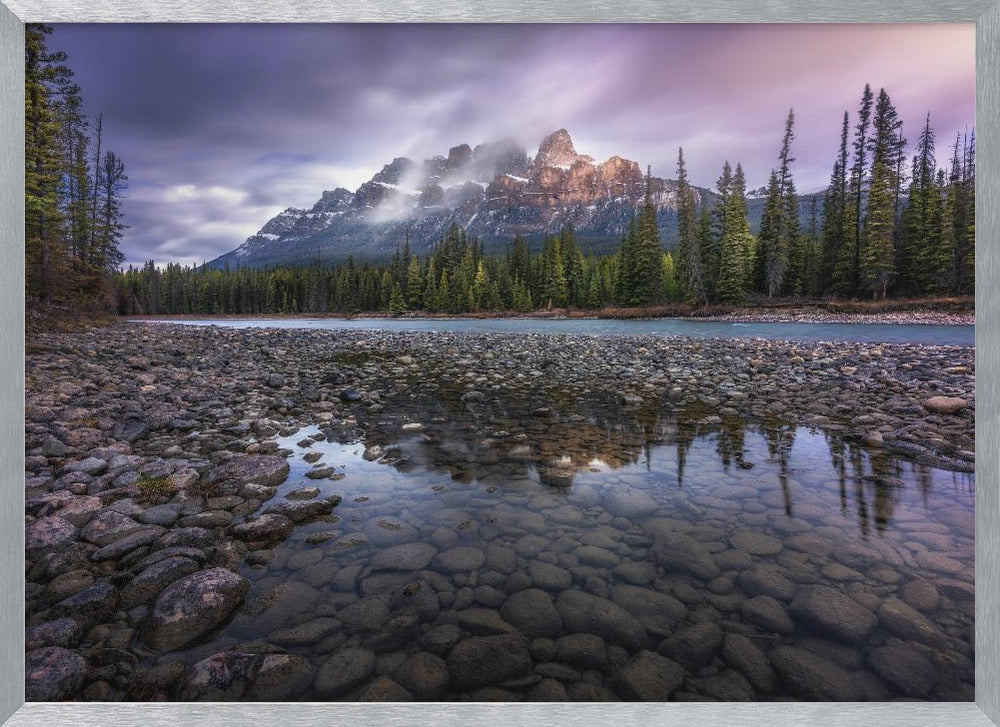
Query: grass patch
204, 489
151, 489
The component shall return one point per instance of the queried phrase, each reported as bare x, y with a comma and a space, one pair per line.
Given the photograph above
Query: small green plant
154, 488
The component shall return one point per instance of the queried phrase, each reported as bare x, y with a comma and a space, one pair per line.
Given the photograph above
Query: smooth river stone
833, 613
407, 557
756, 543
459, 560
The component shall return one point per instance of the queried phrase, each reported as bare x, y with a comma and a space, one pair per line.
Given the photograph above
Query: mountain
494, 191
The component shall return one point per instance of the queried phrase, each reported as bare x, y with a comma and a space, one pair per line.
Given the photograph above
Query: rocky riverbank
190, 535
785, 314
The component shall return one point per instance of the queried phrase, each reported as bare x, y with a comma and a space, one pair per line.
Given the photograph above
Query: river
942, 335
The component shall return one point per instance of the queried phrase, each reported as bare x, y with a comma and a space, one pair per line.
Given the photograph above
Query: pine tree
444, 302
648, 254
857, 191
836, 267
712, 252
396, 303
689, 265
920, 233
414, 284
879, 255
44, 75
736, 242
430, 296
771, 262
778, 267
706, 246
788, 239
626, 283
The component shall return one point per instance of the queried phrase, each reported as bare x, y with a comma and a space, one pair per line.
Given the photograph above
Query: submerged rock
811, 677
833, 613
344, 670
487, 660
649, 677
237, 675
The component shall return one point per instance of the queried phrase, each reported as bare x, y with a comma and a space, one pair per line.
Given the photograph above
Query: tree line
73, 186
883, 229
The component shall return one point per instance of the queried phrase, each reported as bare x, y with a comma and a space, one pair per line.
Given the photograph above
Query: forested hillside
885, 227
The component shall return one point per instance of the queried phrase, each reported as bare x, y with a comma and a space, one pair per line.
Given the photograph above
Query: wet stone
52, 673
727, 686
694, 646
648, 677
767, 613
64, 632
906, 669
680, 553
305, 634
629, 503
238, 675
423, 675
745, 656
483, 622
921, 595
384, 689
152, 580
488, 660
255, 469
766, 581
344, 670
756, 543
408, 557
907, 623
192, 606
833, 613
461, 559
532, 612
549, 577
811, 677
266, 528
657, 612
585, 613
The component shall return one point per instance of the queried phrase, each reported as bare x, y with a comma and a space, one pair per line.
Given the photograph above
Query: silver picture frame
15, 712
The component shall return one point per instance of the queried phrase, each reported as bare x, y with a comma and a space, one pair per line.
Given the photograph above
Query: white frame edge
984, 712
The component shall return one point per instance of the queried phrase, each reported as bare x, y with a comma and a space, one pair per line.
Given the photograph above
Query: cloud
222, 126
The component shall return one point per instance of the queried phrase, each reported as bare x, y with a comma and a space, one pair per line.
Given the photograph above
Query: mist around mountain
494, 191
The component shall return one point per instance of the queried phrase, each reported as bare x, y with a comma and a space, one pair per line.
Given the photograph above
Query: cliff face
494, 191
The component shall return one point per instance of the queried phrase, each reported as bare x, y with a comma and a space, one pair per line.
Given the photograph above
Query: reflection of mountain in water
510, 441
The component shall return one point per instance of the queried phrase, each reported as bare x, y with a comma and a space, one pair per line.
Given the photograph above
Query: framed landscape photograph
539, 364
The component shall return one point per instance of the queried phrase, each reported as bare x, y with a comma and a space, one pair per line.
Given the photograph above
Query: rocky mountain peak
556, 150
493, 191
335, 200
458, 156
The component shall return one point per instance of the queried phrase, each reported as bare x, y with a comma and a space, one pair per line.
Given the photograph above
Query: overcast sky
221, 127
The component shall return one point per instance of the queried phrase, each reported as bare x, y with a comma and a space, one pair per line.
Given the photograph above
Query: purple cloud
222, 126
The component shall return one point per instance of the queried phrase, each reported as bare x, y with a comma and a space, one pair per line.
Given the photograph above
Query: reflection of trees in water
780, 437
559, 435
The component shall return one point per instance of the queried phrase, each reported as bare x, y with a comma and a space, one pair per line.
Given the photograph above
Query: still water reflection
677, 520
